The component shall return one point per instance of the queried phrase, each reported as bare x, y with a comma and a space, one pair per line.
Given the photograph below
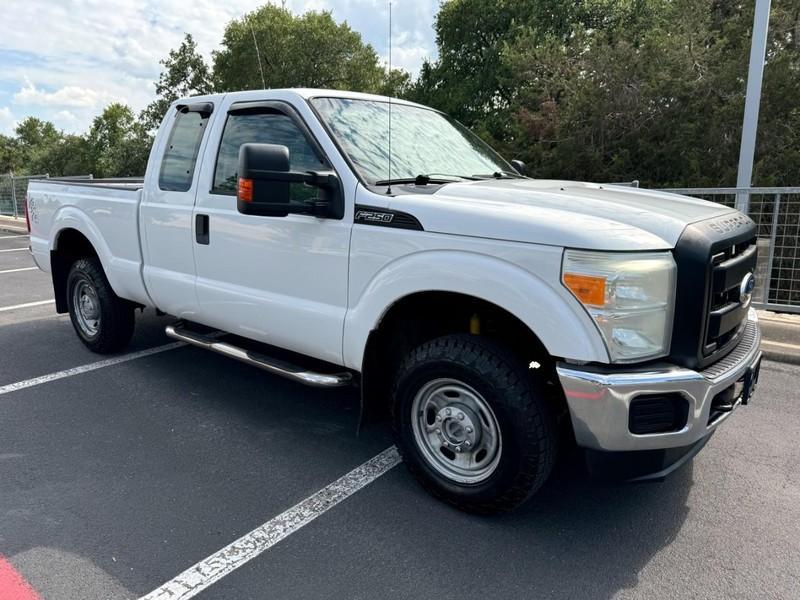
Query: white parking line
26, 305
198, 577
15, 249
18, 270
21, 385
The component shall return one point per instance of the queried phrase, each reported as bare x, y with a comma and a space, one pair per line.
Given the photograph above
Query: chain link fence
14, 188
776, 212
12, 194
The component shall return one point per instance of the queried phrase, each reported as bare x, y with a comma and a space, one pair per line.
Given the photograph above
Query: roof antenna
258, 54
389, 189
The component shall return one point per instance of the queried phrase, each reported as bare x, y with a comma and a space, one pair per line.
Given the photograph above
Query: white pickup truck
494, 316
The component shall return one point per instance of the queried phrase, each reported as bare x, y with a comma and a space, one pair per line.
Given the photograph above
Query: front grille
713, 258
727, 312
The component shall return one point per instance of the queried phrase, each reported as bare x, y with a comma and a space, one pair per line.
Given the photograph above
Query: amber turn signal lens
245, 191
588, 289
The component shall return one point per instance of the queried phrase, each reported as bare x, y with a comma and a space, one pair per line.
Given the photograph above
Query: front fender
556, 318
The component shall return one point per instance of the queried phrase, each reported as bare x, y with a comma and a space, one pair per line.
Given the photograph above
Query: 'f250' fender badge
374, 217
746, 289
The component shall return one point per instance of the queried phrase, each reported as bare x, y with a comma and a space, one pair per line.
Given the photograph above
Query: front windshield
424, 142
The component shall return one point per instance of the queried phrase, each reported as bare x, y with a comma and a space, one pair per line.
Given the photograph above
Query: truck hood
559, 213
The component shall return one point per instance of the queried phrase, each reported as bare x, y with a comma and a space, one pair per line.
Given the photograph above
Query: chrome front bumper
599, 399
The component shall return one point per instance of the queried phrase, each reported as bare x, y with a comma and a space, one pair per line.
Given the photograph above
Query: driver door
281, 280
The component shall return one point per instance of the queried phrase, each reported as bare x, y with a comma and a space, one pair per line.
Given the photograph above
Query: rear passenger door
166, 211
278, 279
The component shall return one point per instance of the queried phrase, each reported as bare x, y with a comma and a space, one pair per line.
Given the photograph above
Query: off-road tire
519, 400
116, 323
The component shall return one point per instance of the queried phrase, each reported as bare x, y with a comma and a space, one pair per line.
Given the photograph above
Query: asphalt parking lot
118, 478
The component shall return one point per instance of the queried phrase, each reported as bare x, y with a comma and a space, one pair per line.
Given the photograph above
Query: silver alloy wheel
456, 431
87, 307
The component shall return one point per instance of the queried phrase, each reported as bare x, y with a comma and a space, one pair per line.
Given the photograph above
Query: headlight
630, 296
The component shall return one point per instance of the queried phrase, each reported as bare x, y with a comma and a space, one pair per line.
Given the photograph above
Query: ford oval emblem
746, 289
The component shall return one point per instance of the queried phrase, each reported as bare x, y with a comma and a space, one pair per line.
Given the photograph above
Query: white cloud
66, 120
79, 55
7, 121
67, 96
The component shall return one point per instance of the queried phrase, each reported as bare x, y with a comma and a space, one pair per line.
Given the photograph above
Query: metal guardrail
776, 212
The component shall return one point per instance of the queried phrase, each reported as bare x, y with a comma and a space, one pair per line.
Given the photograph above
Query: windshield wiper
425, 179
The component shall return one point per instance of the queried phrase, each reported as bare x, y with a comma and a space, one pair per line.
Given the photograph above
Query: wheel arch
422, 316
430, 286
69, 244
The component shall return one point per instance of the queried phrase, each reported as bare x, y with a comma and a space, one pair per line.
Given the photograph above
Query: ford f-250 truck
492, 315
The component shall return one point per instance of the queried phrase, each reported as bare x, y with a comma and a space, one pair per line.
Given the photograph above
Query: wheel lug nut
458, 448
448, 412
438, 418
468, 443
438, 432
446, 443
460, 416
469, 429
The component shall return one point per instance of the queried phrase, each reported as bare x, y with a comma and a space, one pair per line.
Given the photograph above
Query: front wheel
103, 321
472, 423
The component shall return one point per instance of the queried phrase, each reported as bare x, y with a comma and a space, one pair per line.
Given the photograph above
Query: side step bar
271, 365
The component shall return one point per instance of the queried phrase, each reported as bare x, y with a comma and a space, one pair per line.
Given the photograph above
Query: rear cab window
180, 156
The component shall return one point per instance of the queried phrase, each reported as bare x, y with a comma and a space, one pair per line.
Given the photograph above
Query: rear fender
123, 275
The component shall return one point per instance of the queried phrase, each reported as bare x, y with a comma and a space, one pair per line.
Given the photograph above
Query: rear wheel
473, 424
103, 321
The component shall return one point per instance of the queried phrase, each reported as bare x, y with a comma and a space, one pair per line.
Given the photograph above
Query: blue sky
64, 60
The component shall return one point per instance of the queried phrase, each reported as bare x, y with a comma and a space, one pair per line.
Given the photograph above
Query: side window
262, 127
177, 165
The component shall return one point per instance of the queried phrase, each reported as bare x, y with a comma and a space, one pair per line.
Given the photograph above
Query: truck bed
105, 212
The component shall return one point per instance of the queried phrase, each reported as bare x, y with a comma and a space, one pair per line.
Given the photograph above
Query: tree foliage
185, 74
610, 90
117, 145
604, 90
309, 50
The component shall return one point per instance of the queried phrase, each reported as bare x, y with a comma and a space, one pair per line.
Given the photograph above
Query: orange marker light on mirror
588, 289
245, 190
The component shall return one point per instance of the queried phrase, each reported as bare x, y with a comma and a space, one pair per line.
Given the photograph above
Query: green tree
309, 50
117, 144
185, 74
34, 140
68, 155
9, 155
615, 90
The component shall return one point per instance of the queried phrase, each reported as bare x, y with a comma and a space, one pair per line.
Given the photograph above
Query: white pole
758, 47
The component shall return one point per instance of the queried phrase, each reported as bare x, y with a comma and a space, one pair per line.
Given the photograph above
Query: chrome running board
271, 365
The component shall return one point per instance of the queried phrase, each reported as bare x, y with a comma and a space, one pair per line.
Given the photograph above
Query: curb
780, 357
11, 225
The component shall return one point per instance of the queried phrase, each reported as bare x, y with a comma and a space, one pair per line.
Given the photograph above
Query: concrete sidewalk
13, 225
780, 336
